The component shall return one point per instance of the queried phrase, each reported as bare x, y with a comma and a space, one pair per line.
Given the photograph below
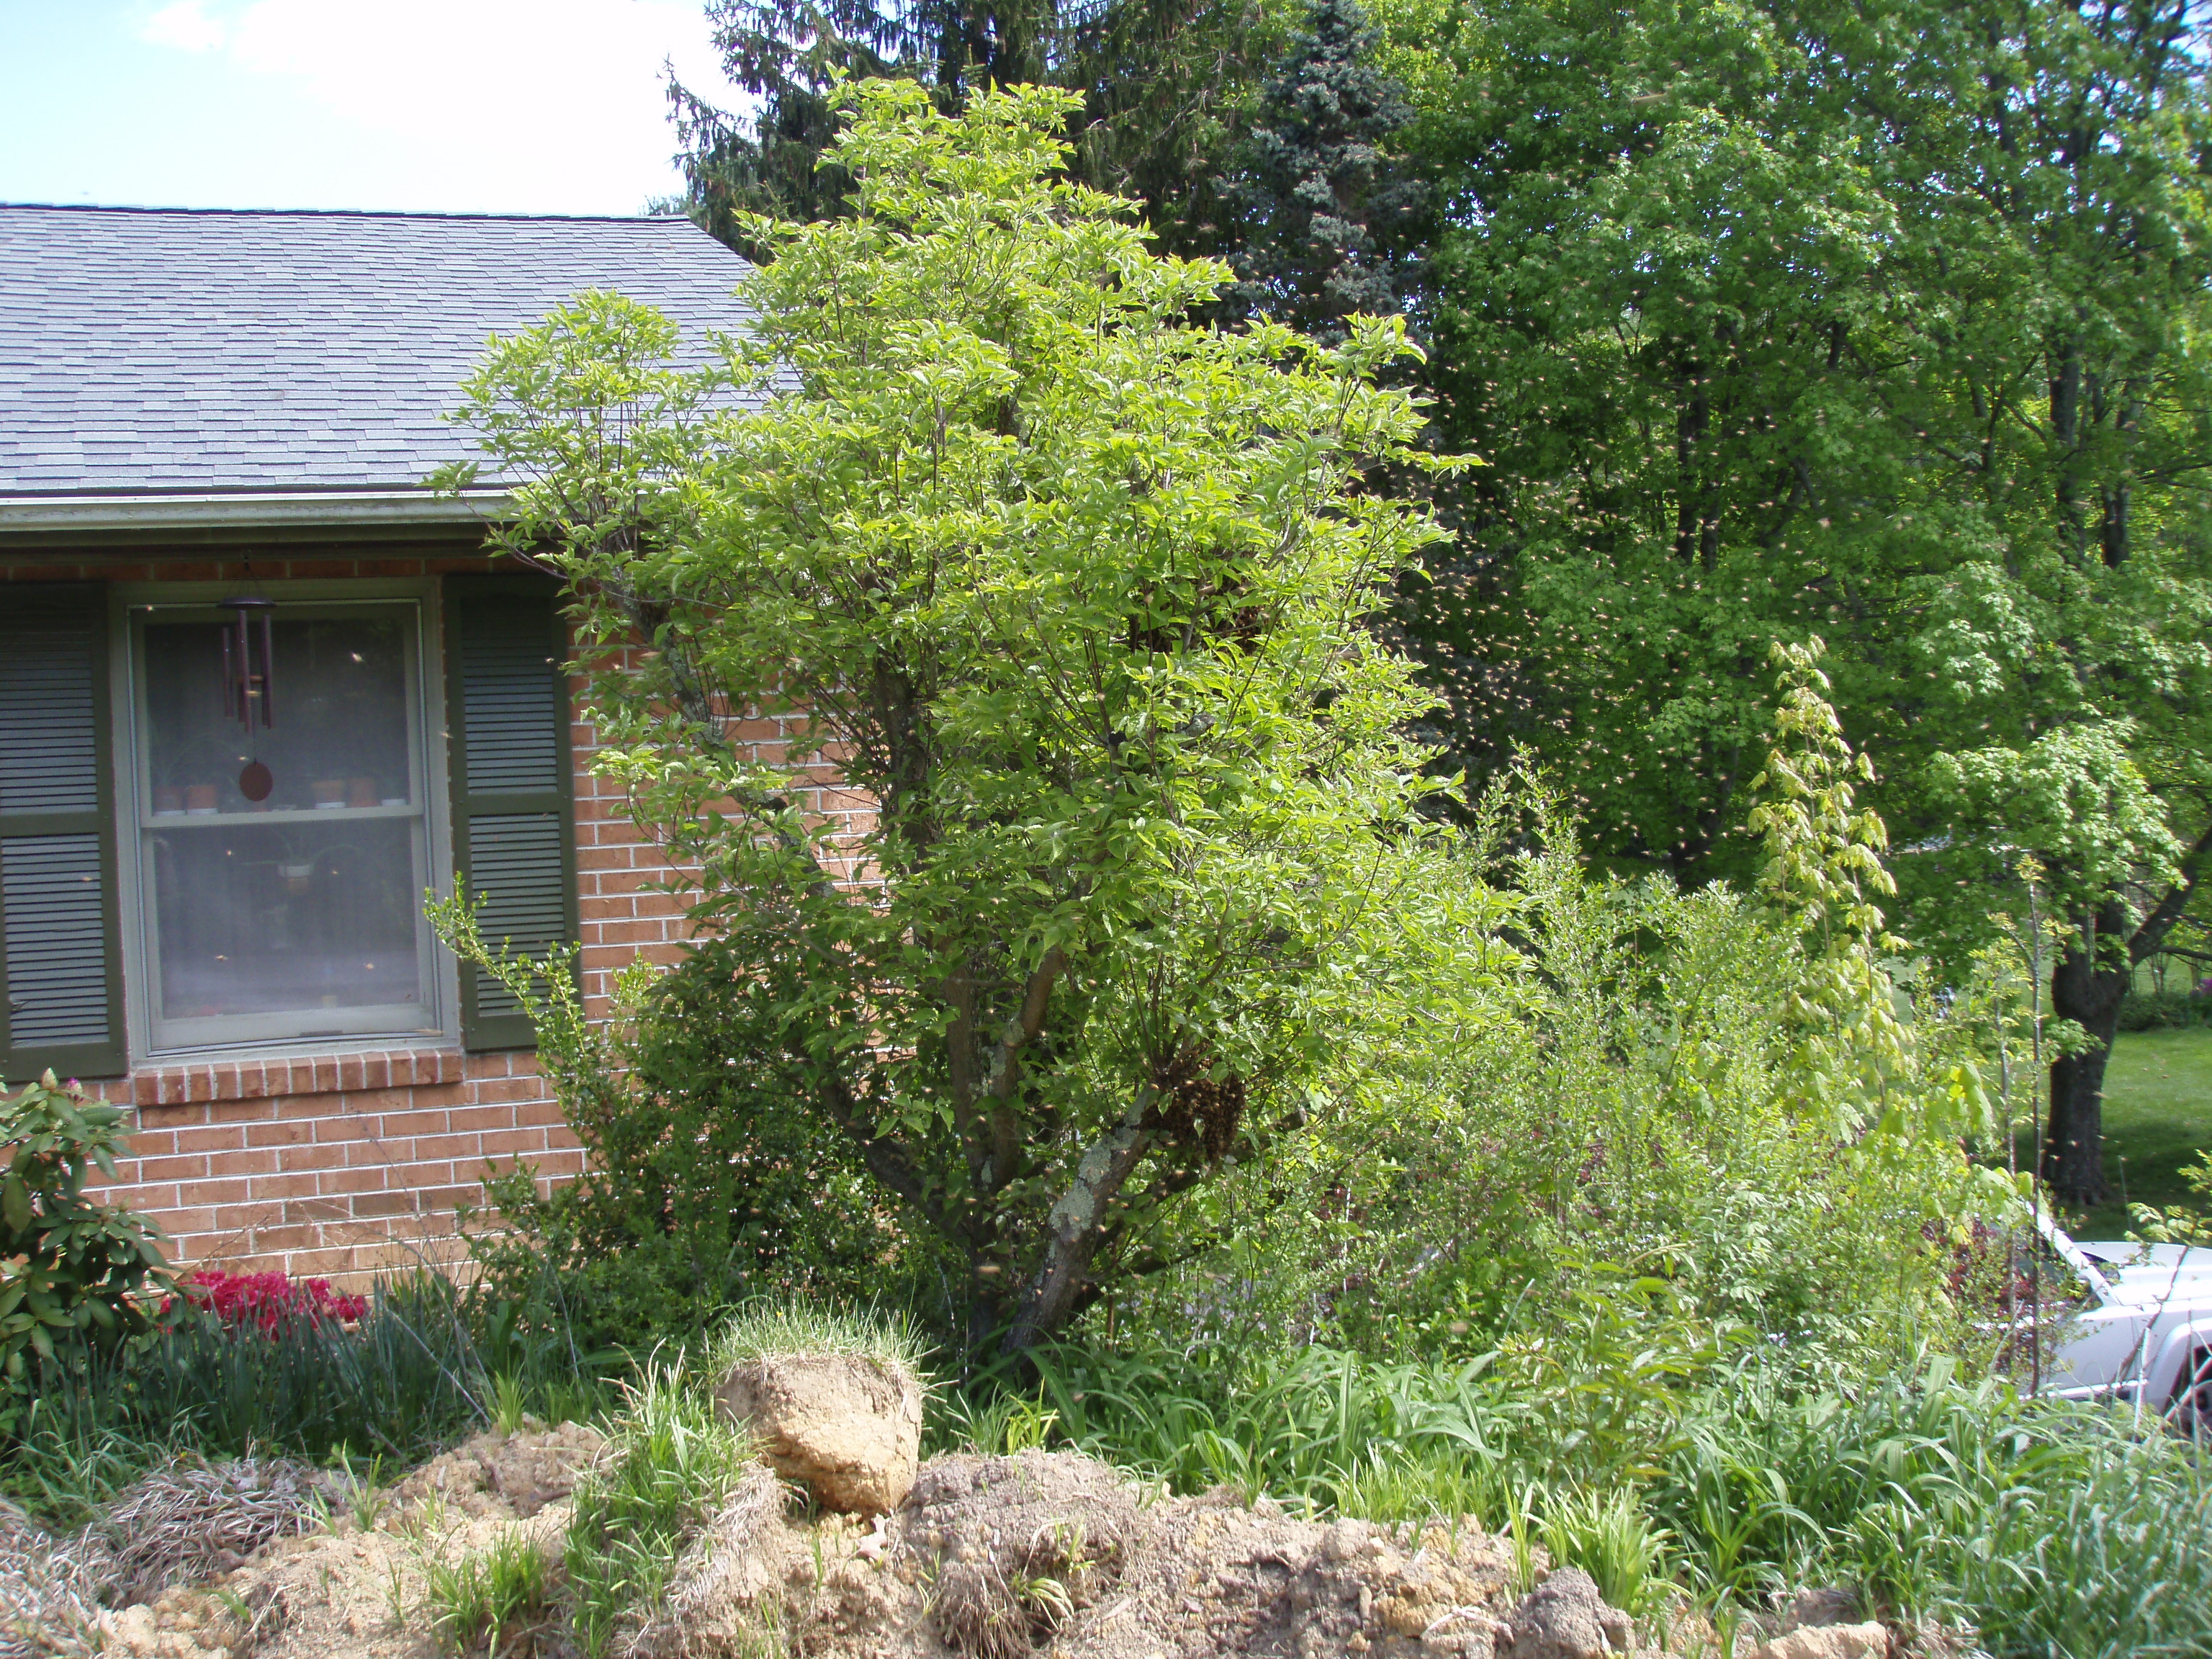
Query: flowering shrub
269, 1299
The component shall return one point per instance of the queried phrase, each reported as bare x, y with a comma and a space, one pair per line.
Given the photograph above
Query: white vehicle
2143, 1334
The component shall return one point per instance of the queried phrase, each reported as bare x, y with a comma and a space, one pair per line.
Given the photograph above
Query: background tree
1871, 321
1071, 589
1327, 218
1163, 85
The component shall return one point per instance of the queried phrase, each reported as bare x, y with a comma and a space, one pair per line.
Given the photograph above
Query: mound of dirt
990, 1557
1050, 1554
846, 1427
516, 1474
996, 1558
344, 1592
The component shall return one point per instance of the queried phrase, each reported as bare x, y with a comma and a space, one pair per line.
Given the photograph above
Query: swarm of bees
1192, 1106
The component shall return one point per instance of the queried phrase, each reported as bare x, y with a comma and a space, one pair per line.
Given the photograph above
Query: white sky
456, 105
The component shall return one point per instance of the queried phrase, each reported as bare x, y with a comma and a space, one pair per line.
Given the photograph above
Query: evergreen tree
1328, 220
1164, 83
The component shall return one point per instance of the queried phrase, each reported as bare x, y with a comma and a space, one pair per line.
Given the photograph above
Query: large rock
1566, 1617
848, 1428
1828, 1642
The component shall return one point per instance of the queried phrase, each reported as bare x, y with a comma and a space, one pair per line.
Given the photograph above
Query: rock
1466, 1630
1566, 1617
1828, 1642
131, 1632
845, 1426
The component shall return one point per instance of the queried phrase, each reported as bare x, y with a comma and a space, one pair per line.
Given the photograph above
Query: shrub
703, 1187
2164, 1010
1749, 1095
77, 1278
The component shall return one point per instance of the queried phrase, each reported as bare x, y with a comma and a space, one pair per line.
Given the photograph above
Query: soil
1051, 1553
348, 1592
1047, 1555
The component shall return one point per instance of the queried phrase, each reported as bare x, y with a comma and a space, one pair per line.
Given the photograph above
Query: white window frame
440, 1024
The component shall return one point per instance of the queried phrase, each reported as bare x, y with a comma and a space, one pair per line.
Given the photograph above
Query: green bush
77, 1279
2164, 1010
1635, 1092
1753, 1096
705, 1185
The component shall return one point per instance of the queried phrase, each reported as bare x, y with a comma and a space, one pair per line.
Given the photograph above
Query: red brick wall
344, 1165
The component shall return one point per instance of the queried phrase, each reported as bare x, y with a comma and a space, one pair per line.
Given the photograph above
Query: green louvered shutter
514, 814
61, 976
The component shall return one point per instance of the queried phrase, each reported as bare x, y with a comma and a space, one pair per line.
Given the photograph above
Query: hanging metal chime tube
242, 687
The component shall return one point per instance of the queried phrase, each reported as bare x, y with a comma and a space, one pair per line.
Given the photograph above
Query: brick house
259, 689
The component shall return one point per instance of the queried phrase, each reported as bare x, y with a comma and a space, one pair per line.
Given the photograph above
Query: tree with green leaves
1163, 85
1068, 591
1876, 322
1329, 219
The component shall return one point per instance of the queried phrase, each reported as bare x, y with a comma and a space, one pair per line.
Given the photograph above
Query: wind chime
249, 678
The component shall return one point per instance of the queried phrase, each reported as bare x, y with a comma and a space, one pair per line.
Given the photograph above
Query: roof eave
249, 510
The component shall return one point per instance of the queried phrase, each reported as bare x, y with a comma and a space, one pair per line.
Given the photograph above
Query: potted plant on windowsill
188, 779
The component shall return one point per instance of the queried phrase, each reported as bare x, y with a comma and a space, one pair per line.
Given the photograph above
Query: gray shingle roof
157, 350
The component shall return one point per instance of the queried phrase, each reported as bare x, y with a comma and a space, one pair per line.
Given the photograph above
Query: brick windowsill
308, 1074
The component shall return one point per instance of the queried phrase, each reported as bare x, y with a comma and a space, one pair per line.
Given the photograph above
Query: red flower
268, 1300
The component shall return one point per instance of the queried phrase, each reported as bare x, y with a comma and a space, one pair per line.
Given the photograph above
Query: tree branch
1020, 1031
1077, 1229
2151, 934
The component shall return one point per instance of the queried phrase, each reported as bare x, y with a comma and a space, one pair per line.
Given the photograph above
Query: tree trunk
1078, 1227
2087, 985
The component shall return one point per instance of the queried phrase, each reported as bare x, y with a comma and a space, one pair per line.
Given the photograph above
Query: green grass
2158, 1116
673, 1459
766, 1328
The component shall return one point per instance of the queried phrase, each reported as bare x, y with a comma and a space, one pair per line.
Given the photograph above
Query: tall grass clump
404, 1379
499, 1591
425, 1363
1722, 1472
762, 1328
671, 1463
2056, 1528
1599, 1389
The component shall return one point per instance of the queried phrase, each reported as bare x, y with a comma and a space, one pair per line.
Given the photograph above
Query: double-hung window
281, 828
212, 845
